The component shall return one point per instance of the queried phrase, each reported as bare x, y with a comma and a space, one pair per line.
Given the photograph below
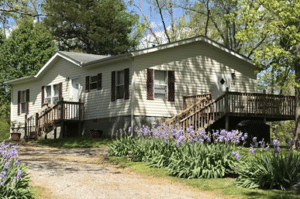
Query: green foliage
202, 161
4, 128
197, 161
97, 27
270, 171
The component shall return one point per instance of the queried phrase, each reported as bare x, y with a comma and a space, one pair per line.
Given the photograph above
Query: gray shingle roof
82, 58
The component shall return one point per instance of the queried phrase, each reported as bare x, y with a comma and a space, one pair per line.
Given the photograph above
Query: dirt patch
78, 173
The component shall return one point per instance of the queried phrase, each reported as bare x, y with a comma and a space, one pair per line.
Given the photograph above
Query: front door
74, 97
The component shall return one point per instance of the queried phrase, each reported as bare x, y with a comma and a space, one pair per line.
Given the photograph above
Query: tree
26, 50
282, 25
99, 27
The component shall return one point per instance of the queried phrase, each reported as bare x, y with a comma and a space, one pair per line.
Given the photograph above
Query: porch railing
49, 116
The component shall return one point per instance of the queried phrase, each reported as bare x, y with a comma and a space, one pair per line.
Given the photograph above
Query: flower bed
14, 181
211, 155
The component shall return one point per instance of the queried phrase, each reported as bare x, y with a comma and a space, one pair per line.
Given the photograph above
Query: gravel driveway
78, 174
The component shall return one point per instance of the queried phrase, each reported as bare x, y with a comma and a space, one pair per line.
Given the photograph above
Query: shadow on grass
81, 142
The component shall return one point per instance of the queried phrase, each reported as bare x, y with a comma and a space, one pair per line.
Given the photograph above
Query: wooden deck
50, 117
204, 113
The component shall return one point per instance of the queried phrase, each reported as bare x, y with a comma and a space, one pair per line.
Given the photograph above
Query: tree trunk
297, 97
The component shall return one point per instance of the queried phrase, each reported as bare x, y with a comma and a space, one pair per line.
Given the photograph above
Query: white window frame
23, 102
120, 84
93, 82
51, 98
161, 84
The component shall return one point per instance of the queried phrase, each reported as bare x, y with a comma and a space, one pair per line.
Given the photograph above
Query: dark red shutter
126, 83
19, 102
60, 91
87, 84
171, 86
99, 81
149, 84
113, 86
43, 95
27, 101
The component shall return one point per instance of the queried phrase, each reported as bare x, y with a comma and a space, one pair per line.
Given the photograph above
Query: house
85, 92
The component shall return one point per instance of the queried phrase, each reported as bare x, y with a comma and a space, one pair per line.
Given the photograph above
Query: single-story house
135, 88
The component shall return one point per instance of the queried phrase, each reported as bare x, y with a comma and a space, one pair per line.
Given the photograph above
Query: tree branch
162, 19
21, 12
259, 43
207, 20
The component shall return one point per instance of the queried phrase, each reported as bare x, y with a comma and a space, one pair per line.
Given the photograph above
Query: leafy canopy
98, 27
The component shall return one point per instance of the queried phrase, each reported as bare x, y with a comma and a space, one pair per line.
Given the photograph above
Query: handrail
187, 111
194, 98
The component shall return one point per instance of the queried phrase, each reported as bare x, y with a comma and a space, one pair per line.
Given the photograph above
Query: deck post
226, 100
55, 131
25, 125
79, 122
62, 109
227, 123
36, 123
264, 103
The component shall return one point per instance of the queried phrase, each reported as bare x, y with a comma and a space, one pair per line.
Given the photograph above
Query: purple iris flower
252, 150
267, 148
6, 165
237, 156
3, 174
16, 163
277, 149
254, 139
246, 135
19, 174
233, 153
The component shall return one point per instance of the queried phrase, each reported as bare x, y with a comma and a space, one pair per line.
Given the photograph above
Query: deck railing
49, 115
205, 112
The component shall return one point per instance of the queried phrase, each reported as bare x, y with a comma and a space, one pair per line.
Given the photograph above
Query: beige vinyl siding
195, 67
97, 102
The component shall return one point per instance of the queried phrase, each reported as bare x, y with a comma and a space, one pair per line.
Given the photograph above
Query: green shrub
13, 178
203, 161
270, 171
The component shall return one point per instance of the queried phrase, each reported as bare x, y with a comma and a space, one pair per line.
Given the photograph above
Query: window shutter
87, 84
43, 95
171, 86
113, 86
19, 102
27, 101
99, 81
149, 84
60, 91
126, 83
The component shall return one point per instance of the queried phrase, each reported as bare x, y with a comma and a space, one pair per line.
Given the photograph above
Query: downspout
132, 93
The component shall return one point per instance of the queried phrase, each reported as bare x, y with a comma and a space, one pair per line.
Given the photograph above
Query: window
93, 82
23, 101
55, 94
160, 84
120, 85
52, 94
48, 94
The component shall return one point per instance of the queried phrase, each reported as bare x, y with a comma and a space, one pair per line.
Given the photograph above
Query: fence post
264, 102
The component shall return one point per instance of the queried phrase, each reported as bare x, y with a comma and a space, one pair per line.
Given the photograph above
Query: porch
65, 114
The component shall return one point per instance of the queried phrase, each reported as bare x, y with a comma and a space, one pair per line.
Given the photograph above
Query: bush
185, 154
13, 178
203, 161
270, 171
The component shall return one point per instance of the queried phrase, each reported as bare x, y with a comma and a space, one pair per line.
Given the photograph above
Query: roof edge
19, 80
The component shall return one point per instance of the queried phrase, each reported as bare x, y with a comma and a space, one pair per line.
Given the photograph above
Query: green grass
81, 142
222, 186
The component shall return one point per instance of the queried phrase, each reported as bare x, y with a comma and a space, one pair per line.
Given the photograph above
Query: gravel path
78, 174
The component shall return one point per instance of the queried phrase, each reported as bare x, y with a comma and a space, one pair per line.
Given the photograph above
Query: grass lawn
221, 186
81, 142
